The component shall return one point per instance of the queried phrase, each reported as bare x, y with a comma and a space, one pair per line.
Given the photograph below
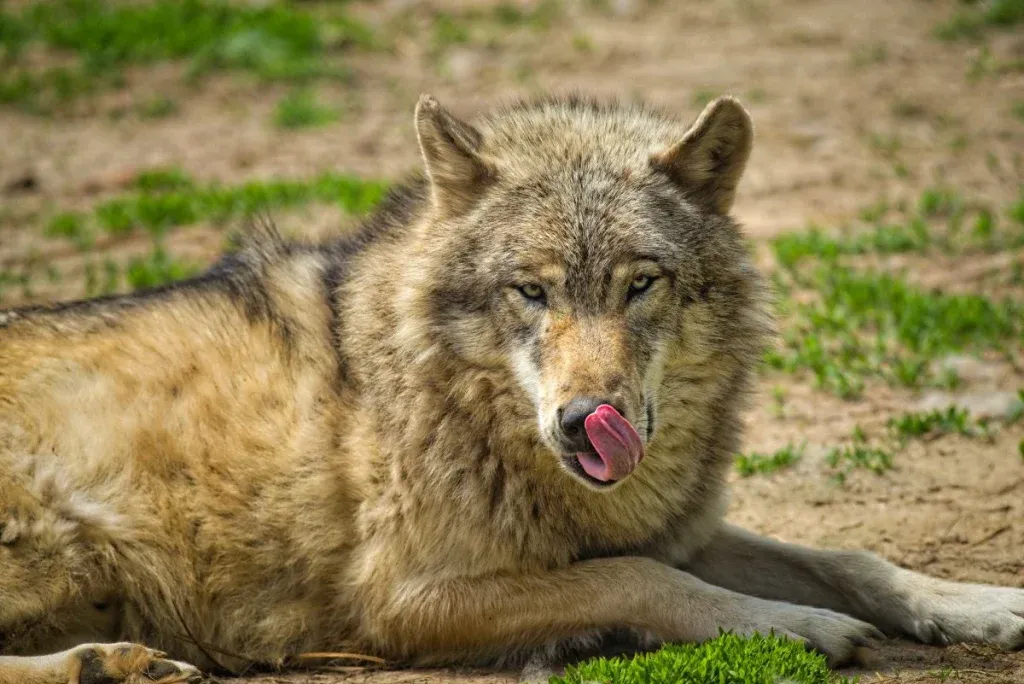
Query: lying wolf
495, 422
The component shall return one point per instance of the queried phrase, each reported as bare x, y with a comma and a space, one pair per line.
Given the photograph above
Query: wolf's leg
479, 618
862, 585
97, 664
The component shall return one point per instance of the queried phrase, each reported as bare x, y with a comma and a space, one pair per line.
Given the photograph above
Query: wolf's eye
639, 285
532, 291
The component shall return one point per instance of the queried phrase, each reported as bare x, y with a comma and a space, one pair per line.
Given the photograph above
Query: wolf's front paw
128, 664
836, 636
945, 613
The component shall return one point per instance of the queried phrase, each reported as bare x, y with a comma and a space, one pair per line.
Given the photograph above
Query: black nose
572, 417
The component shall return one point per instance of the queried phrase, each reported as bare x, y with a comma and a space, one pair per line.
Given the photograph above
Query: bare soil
851, 101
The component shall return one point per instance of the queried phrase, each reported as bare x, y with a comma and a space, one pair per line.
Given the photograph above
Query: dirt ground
851, 101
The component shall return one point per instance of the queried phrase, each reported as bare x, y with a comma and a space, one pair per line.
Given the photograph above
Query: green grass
584, 44
11, 278
864, 323
953, 420
301, 109
1017, 410
870, 53
972, 22
157, 268
448, 30
490, 26
942, 220
107, 282
163, 199
762, 464
1016, 210
158, 107
43, 91
847, 325
703, 97
541, 15
275, 41
729, 659
859, 455
70, 226
882, 239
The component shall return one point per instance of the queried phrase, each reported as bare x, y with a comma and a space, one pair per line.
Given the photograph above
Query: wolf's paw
838, 637
130, 664
946, 613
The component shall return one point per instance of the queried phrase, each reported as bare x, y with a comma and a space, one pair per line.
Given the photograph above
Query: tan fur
356, 445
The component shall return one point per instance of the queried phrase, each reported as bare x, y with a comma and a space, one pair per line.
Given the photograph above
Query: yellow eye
532, 291
640, 284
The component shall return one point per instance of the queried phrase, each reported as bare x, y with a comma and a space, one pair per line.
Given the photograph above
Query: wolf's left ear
708, 162
450, 151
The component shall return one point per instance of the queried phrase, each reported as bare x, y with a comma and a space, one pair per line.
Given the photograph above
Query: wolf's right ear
708, 162
450, 151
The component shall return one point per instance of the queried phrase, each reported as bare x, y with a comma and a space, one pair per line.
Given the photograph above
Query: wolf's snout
572, 419
607, 447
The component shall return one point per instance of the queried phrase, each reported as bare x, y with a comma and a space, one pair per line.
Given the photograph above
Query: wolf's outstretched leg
98, 664
860, 584
481, 618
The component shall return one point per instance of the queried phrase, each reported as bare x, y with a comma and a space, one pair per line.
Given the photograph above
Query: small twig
991, 536
339, 656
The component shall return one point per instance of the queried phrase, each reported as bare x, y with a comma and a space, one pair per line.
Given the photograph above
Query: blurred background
884, 198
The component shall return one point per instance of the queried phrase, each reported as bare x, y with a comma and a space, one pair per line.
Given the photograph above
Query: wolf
492, 425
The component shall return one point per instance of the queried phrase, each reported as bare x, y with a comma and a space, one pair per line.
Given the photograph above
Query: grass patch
448, 30
167, 198
157, 268
67, 225
703, 97
729, 659
763, 464
870, 53
953, 420
882, 239
301, 109
847, 325
1017, 410
541, 15
158, 107
490, 26
876, 324
11, 279
971, 23
858, 455
43, 91
942, 220
275, 41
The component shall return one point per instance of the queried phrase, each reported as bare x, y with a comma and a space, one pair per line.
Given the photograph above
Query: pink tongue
619, 448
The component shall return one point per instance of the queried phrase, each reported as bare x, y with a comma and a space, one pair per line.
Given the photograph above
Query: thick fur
356, 445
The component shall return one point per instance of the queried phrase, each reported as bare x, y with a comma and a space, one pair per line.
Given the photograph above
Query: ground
853, 103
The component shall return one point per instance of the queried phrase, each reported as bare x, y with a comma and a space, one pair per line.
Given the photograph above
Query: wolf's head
585, 249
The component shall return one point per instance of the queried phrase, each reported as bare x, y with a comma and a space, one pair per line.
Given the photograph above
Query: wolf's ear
450, 151
708, 162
